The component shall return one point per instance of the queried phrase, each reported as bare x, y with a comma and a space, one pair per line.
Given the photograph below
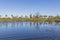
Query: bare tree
0, 16
6, 16
12, 16
30, 15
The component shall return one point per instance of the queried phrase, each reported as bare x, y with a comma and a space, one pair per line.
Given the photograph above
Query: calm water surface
29, 31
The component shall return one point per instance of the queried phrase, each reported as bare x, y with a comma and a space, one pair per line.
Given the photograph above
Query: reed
32, 18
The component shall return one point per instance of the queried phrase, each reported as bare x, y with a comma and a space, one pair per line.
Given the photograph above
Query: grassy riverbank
32, 19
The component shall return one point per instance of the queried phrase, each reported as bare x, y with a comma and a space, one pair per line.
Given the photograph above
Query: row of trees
37, 17
31, 16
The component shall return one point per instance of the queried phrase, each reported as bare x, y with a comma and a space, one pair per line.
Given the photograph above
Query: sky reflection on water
29, 31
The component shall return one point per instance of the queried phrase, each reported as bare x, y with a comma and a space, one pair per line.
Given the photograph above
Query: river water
29, 31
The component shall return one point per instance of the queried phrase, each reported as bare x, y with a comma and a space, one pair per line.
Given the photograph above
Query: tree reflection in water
28, 29
21, 24
13, 24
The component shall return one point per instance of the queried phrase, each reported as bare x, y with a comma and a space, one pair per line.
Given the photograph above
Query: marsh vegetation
32, 18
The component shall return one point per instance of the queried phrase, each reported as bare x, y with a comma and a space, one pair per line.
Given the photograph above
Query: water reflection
36, 25
25, 30
18, 24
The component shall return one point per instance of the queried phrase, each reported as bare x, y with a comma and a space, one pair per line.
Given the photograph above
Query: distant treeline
31, 18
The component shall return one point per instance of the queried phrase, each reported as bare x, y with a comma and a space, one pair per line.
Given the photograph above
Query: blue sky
25, 7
